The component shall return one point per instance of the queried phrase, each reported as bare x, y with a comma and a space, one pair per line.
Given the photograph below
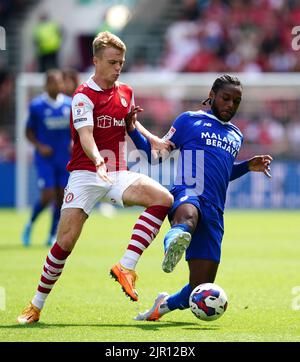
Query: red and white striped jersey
105, 110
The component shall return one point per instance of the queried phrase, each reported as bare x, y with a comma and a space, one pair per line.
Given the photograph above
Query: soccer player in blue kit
209, 144
48, 130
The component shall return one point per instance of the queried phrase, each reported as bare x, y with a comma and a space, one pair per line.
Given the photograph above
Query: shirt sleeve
82, 111
177, 131
239, 169
141, 142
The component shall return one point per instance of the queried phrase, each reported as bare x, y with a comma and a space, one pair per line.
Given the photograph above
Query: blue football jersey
50, 122
208, 148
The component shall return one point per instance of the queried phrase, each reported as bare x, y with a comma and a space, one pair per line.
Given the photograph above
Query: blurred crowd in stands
212, 36
233, 36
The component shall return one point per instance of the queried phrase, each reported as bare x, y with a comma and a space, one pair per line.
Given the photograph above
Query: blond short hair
106, 39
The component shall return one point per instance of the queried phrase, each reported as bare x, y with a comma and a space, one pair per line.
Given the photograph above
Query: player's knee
67, 237
166, 199
66, 242
188, 218
191, 223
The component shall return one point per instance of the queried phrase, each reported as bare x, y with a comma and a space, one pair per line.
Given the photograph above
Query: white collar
213, 117
93, 85
54, 103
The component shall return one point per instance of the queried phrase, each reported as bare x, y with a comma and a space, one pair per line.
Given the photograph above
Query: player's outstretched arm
256, 164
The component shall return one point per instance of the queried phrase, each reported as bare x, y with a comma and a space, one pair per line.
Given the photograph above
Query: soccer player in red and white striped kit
98, 171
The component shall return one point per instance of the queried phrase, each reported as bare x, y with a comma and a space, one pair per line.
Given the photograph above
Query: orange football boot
30, 315
158, 309
127, 279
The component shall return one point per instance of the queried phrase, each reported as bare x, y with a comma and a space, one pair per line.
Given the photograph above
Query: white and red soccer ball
208, 301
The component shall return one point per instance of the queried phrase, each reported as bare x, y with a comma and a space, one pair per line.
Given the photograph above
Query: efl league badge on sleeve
170, 134
79, 109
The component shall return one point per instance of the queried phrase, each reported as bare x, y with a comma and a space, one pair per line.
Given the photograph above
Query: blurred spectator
7, 150
48, 40
6, 95
6, 87
181, 44
293, 134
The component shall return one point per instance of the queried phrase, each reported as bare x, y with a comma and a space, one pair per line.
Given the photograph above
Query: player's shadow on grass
146, 326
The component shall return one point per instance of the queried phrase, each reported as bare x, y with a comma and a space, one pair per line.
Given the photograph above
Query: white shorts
85, 189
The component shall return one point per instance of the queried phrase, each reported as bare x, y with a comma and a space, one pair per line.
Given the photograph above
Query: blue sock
37, 209
55, 220
180, 300
175, 230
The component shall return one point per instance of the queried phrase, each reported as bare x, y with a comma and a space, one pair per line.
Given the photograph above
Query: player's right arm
90, 148
82, 114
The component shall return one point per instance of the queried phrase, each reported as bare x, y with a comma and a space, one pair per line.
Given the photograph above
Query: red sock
52, 270
144, 231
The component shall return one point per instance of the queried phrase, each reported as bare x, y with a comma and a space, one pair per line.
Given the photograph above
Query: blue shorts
51, 176
207, 238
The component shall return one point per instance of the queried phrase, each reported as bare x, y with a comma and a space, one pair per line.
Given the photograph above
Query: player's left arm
259, 163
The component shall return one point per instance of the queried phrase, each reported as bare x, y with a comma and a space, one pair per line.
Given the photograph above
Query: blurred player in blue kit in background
48, 129
71, 81
209, 144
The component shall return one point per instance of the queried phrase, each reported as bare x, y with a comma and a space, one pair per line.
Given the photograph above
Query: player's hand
131, 118
261, 164
44, 150
160, 147
102, 172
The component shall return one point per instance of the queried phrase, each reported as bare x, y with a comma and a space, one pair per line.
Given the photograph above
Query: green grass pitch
259, 269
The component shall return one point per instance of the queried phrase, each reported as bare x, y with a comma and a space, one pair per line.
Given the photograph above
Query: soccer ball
208, 301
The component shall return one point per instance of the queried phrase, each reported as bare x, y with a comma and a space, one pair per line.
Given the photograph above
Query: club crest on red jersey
124, 102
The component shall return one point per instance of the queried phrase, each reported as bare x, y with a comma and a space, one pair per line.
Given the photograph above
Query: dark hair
52, 73
220, 82
71, 73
